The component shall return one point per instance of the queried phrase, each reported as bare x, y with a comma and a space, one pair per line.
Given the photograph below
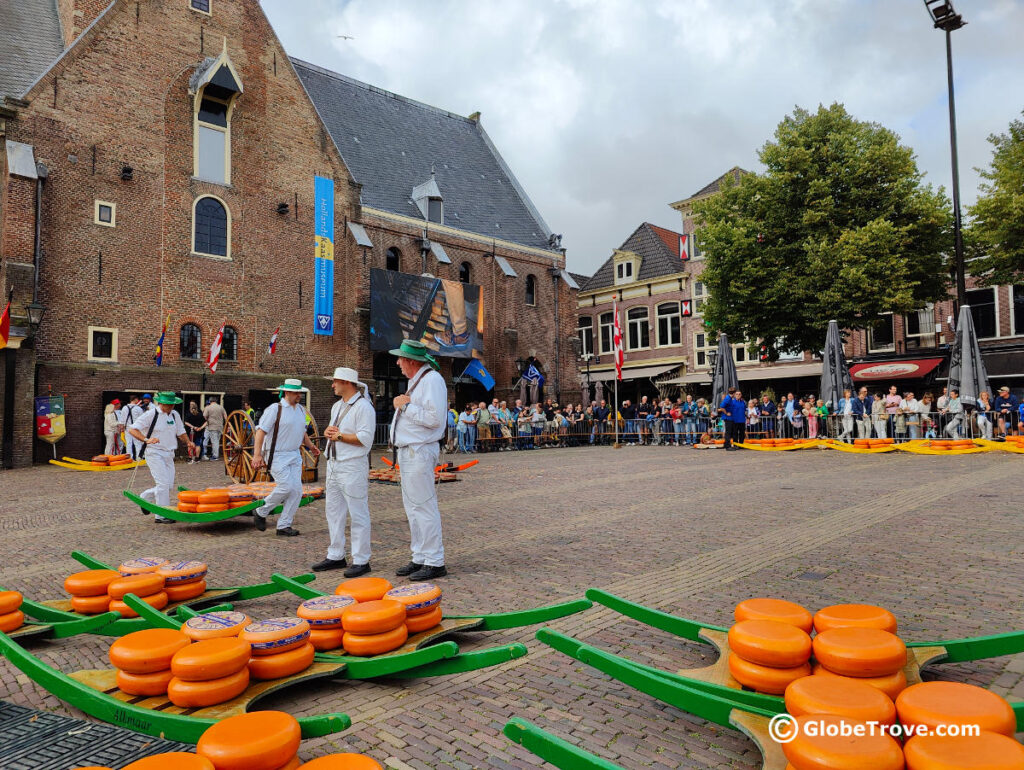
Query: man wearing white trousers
349, 438
417, 427
159, 431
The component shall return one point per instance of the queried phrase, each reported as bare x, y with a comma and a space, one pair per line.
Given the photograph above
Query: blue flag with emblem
476, 370
533, 375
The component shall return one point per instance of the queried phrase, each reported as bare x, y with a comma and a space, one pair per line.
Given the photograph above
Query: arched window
639, 331
229, 345
190, 341
465, 271
668, 324
531, 290
394, 259
211, 227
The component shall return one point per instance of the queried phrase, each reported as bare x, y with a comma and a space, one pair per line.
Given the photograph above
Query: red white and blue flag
684, 247
215, 349
5, 321
272, 347
619, 354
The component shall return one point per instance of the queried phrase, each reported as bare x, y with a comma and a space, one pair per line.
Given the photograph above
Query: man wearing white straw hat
285, 425
349, 438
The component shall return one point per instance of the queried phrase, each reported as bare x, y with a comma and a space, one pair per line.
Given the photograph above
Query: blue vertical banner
323, 298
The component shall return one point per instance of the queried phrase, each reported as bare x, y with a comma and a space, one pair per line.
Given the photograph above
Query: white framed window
702, 345
105, 213
696, 252
585, 331
625, 271
984, 312
741, 354
668, 324
211, 227
102, 345
203, 6
881, 336
639, 331
700, 296
607, 322
790, 355
919, 328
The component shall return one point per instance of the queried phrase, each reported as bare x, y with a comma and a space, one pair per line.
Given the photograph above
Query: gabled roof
712, 187
658, 248
30, 39
390, 143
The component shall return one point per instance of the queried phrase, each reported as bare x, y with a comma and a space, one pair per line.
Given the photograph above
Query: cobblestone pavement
934, 539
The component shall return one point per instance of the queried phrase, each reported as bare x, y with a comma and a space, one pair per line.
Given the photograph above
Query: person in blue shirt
1006, 408
725, 413
766, 410
738, 409
790, 405
862, 413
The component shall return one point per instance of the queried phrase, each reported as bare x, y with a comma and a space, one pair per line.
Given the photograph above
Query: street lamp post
945, 18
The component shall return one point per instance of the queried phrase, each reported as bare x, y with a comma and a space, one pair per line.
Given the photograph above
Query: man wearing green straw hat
420, 420
158, 432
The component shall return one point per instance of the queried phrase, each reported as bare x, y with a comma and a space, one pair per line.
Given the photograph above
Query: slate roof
659, 249
390, 143
30, 40
735, 172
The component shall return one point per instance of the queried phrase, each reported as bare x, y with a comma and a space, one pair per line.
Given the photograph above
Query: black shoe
259, 521
408, 569
144, 511
163, 520
287, 532
329, 563
357, 569
428, 573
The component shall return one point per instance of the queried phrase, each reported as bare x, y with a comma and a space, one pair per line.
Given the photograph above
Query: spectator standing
524, 427
892, 408
467, 430
691, 415
110, 427
955, 410
910, 407
678, 426
766, 410
628, 413
790, 409
862, 413
600, 426
483, 426
452, 429
753, 416
846, 415
983, 414
811, 415
781, 421
703, 419
1006, 409
538, 421
796, 421
725, 412
215, 417
924, 408
643, 411
738, 410
878, 415
196, 427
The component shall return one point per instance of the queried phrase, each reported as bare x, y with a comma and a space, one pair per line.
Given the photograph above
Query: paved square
934, 539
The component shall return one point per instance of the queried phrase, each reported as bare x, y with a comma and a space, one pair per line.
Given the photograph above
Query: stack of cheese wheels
343, 762
148, 586
422, 605
88, 590
209, 672
143, 660
280, 647
142, 565
859, 641
843, 697
111, 460
183, 580
238, 498
215, 625
767, 655
188, 499
323, 613
260, 740
374, 627
830, 744
213, 500
11, 616
364, 589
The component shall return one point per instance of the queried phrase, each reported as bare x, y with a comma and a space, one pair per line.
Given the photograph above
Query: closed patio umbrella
966, 368
724, 375
835, 374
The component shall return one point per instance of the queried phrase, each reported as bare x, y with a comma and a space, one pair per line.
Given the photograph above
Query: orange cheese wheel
860, 651
173, 760
987, 751
10, 601
182, 593
149, 685
188, 507
214, 497
276, 635
143, 652
239, 503
846, 697
91, 582
101, 459
118, 458
178, 573
212, 507
210, 659
90, 605
295, 764
954, 703
141, 566
770, 643
99, 462
157, 601
427, 620
376, 617
282, 664
766, 679
859, 615
774, 609
324, 639
239, 497
188, 496
215, 625
143, 585
825, 751
417, 597
364, 589
10, 621
891, 684
260, 740
343, 762
325, 611
375, 644
209, 693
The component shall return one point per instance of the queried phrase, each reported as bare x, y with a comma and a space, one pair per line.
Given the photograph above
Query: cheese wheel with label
183, 593
10, 601
188, 496
846, 697
363, 645
10, 621
239, 496
259, 740
766, 679
179, 573
282, 664
376, 617
365, 589
149, 685
423, 622
188, 695
157, 601
275, 635
828, 749
173, 760
210, 659
91, 582
214, 497
325, 611
417, 597
141, 566
343, 762
891, 684
986, 751
143, 652
770, 643
931, 704
774, 609
324, 639
854, 615
215, 625
860, 651
141, 585
90, 605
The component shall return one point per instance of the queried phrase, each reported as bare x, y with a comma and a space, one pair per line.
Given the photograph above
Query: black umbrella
835, 374
724, 375
966, 368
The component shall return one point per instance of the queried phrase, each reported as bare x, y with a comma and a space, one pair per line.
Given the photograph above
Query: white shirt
168, 428
425, 417
361, 419
292, 428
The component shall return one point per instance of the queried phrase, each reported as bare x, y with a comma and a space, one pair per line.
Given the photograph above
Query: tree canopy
840, 226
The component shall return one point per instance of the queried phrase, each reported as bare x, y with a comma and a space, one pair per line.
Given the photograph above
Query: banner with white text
323, 298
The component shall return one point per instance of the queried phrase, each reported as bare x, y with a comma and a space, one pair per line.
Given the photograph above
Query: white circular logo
783, 728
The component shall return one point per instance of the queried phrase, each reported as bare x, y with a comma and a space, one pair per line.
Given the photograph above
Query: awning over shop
753, 373
906, 369
632, 374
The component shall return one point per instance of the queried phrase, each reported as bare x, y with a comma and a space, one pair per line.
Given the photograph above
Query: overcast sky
608, 110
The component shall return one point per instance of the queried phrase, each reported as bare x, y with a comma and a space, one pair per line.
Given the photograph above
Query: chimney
76, 15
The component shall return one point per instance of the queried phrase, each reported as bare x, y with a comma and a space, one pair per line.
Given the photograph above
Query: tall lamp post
945, 18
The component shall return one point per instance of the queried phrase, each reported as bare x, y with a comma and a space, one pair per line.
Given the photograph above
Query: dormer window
625, 271
215, 87
435, 210
429, 201
627, 267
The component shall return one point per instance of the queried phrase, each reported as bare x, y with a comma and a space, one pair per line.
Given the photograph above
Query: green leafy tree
997, 229
840, 226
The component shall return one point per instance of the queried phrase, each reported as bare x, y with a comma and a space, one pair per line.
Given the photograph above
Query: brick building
157, 159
